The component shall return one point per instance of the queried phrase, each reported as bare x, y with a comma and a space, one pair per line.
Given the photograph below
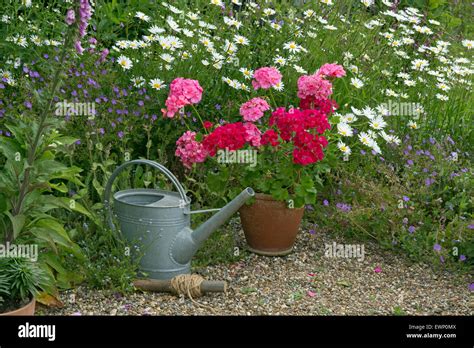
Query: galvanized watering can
160, 221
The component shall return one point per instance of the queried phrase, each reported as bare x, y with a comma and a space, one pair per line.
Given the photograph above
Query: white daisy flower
275, 26
124, 62
357, 83
308, 13
292, 46
142, 16
348, 118
365, 139
168, 58
412, 125
280, 86
217, 3
299, 69
248, 74
367, 3
156, 30
468, 44
391, 139
138, 81
390, 93
344, 148
419, 64
280, 60
241, 40
442, 97
378, 123
268, 12
157, 84
344, 129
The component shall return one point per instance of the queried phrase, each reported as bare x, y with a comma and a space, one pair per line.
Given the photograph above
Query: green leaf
75, 206
18, 222
65, 140
280, 193
98, 187
3, 203
61, 187
434, 4
10, 148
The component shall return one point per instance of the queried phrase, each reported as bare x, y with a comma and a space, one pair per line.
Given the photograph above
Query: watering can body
157, 223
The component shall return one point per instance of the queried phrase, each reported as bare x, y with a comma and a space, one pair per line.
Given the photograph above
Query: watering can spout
188, 241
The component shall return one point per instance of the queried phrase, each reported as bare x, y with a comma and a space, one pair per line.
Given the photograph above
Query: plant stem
199, 116
34, 146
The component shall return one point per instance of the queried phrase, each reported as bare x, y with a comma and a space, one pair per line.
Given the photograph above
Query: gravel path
305, 282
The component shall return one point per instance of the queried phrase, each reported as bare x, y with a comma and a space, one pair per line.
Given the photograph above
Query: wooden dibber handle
165, 285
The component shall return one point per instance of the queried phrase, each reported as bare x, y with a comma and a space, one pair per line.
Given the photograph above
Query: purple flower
217, 106
462, 258
85, 13
471, 226
309, 207
343, 207
471, 287
325, 202
405, 221
437, 247
410, 162
411, 229
78, 142
78, 47
70, 17
312, 231
405, 198
441, 258
28, 104
103, 55
120, 134
362, 152
429, 181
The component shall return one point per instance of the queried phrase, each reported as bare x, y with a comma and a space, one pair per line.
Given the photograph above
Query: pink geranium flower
253, 109
252, 134
189, 150
314, 86
331, 70
266, 77
182, 92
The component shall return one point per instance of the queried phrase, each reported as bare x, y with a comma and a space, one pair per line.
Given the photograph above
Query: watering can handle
108, 187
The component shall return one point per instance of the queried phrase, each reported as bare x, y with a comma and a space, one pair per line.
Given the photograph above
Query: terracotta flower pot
270, 227
28, 310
